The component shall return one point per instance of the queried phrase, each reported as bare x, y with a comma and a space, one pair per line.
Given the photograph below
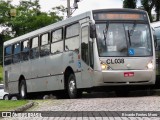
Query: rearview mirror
92, 31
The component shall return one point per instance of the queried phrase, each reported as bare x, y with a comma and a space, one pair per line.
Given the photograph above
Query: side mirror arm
92, 31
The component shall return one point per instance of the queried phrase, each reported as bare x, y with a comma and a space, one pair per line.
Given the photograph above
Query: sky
83, 5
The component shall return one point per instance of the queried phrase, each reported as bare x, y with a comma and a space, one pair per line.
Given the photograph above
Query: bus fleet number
115, 61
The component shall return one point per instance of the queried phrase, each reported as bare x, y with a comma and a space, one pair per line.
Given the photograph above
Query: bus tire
71, 87
23, 90
5, 97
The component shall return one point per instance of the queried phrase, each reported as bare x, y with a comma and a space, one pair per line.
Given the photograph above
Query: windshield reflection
118, 39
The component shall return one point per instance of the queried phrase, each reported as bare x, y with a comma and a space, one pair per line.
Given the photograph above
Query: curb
24, 107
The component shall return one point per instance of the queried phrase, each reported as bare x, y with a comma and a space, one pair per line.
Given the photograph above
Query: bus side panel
26, 69
26, 72
71, 60
13, 77
54, 70
38, 73
39, 84
97, 78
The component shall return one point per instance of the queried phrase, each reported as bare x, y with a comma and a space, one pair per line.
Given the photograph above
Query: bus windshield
123, 39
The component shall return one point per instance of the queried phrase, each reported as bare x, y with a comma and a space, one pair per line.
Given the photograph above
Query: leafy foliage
129, 3
157, 10
147, 5
28, 17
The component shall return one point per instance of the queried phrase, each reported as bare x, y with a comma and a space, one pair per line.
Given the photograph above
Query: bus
156, 33
98, 50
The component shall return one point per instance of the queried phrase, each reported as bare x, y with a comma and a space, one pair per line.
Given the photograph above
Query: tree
148, 6
4, 8
28, 18
157, 10
31, 18
59, 10
129, 4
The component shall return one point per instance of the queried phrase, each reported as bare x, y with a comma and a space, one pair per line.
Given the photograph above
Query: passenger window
16, 51
45, 47
8, 50
44, 39
57, 47
25, 46
25, 50
17, 48
72, 44
57, 35
8, 60
8, 55
35, 42
57, 42
72, 30
72, 37
34, 52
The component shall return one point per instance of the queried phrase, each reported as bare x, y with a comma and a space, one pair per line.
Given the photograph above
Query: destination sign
119, 16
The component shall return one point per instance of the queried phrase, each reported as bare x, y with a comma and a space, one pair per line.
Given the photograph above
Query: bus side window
8, 55
17, 52
45, 46
72, 37
25, 50
57, 41
34, 52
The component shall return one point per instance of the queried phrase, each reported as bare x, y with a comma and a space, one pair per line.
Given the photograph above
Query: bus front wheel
71, 87
23, 90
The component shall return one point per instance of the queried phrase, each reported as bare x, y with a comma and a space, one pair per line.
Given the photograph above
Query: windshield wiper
130, 32
129, 37
105, 33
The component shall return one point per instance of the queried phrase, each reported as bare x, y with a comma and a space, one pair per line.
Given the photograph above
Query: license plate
128, 74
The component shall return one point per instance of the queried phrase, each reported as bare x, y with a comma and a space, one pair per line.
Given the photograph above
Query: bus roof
48, 28
65, 22
121, 10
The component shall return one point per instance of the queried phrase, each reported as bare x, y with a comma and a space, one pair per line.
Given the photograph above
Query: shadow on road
138, 93
85, 95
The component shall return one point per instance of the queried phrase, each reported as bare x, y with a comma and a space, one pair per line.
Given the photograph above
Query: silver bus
156, 33
105, 49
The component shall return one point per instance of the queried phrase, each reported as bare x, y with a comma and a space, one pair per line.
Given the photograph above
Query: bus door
157, 37
86, 56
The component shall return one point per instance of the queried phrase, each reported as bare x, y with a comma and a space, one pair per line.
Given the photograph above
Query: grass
1, 73
8, 105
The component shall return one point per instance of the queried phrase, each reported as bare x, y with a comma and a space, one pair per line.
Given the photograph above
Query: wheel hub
72, 86
22, 91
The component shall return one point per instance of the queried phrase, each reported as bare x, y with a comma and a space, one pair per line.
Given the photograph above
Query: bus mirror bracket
92, 31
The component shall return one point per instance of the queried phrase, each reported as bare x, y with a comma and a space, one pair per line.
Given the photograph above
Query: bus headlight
104, 66
150, 65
